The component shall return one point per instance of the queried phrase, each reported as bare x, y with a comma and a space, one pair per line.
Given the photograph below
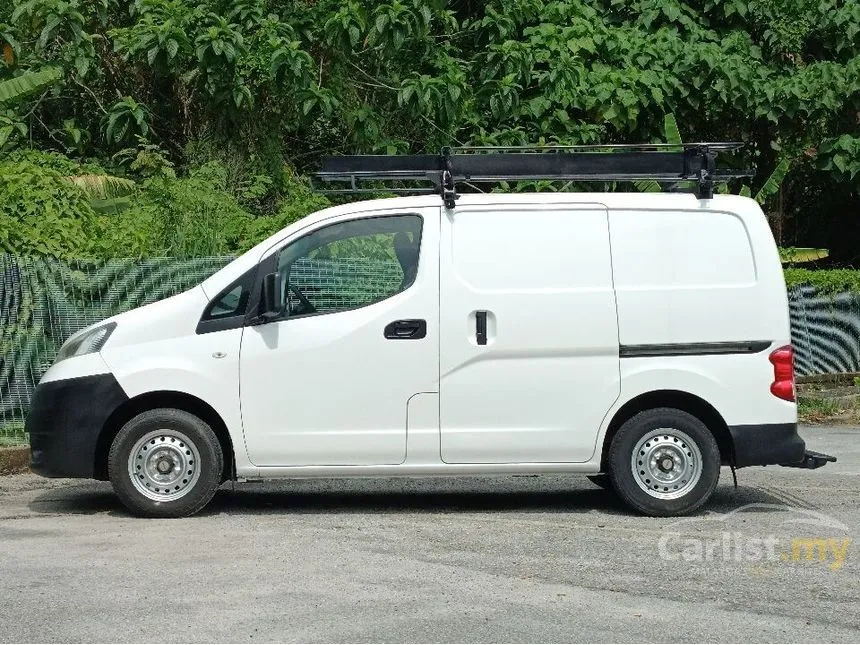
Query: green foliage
370, 75
818, 409
299, 202
192, 217
841, 156
772, 185
103, 186
107, 194
126, 119
14, 89
196, 216
41, 212
12, 434
146, 160
671, 131
73, 138
800, 255
671, 135
12, 130
826, 281
50, 205
154, 88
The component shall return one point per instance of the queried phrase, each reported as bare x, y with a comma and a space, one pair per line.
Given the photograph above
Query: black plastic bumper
766, 444
65, 421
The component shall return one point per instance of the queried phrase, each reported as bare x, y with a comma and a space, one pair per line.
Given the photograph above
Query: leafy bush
298, 201
41, 212
45, 211
192, 217
826, 281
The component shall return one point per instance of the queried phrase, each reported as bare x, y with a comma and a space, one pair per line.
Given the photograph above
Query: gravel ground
549, 558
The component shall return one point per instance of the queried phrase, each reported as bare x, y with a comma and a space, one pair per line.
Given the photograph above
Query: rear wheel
165, 463
664, 462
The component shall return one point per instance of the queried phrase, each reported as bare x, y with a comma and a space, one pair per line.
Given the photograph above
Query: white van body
596, 305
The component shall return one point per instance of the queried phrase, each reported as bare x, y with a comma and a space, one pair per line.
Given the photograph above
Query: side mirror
272, 302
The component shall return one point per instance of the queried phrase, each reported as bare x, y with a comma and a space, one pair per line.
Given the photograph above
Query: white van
640, 337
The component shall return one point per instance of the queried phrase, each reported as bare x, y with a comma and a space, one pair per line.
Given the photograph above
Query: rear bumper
65, 421
766, 444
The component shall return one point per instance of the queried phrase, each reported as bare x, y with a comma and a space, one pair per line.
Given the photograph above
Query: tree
258, 84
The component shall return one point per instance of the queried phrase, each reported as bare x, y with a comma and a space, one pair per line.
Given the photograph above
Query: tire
677, 462
165, 463
603, 481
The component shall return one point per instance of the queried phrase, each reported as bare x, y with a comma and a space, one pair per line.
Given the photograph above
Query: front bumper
773, 443
65, 421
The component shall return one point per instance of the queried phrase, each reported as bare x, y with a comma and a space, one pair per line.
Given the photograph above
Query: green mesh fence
43, 302
335, 285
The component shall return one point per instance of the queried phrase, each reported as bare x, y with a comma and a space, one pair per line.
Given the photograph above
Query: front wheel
664, 462
165, 463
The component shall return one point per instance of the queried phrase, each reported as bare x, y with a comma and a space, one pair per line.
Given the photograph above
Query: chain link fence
44, 301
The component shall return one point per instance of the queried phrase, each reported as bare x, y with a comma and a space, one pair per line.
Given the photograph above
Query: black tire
603, 481
631, 485
175, 440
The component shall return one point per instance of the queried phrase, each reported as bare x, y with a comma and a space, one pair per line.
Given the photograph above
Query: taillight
783, 373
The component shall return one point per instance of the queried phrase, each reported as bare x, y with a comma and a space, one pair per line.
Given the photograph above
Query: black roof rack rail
662, 163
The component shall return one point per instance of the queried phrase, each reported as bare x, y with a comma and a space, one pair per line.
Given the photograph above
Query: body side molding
693, 349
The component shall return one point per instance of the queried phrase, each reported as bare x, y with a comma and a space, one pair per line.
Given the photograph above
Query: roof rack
662, 163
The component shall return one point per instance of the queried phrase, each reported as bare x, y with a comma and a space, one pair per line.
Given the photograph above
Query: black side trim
765, 444
65, 420
694, 349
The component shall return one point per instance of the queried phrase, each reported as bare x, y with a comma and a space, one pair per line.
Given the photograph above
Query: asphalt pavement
512, 559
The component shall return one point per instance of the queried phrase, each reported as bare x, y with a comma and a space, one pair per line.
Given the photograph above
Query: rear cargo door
529, 335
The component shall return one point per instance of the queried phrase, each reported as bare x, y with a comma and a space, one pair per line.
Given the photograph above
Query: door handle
406, 329
481, 327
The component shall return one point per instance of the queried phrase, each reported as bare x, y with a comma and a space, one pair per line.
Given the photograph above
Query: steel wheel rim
164, 465
666, 463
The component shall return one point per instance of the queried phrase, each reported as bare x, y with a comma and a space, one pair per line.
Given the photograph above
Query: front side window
227, 309
229, 303
350, 264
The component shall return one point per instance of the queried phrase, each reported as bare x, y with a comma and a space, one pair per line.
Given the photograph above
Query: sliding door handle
481, 327
406, 329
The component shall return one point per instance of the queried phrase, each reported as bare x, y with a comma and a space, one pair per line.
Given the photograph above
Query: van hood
169, 318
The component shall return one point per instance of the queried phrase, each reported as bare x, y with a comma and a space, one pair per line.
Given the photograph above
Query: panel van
641, 339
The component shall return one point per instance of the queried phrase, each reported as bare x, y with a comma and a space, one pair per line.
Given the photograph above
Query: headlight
91, 341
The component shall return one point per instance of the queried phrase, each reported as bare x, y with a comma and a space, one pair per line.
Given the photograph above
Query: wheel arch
677, 399
163, 399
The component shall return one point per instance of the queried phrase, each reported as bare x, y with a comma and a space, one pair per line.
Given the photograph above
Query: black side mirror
272, 304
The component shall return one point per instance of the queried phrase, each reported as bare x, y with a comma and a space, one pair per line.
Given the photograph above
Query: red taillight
783, 373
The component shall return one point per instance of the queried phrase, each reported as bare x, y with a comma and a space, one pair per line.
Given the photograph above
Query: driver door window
350, 264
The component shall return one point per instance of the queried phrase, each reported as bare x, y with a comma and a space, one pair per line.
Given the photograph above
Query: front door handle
406, 329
